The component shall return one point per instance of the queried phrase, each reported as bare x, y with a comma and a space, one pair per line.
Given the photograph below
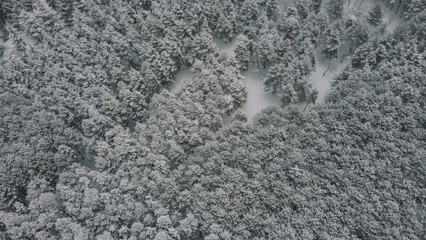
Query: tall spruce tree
375, 15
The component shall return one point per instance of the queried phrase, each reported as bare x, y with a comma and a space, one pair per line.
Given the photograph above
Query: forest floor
391, 19
228, 48
322, 82
183, 74
257, 97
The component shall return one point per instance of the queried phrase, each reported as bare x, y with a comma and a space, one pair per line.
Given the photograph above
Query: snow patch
321, 81
228, 48
257, 98
184, 74
7, 47
391, 19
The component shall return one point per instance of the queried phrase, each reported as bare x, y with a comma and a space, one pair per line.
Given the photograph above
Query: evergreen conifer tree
335, 9
375, 15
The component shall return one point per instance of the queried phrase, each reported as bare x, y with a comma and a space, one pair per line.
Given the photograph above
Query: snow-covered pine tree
316, 5
331, 47
375, 15
335, 9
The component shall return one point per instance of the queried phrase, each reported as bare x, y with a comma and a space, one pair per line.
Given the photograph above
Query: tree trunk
306, 105
343, 57
257, 62
79, 153
399, 5
326, 71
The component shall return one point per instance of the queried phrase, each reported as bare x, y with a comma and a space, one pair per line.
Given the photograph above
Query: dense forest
95, 144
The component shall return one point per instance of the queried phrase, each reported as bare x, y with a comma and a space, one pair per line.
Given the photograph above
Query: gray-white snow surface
183, 74
257, 98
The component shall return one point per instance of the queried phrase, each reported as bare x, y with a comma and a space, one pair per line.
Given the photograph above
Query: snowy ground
227, 47
391, 19
257, 98
184, 74
7, 47
322, 82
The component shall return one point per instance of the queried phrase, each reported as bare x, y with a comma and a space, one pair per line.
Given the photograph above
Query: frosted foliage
164, 222
256, 119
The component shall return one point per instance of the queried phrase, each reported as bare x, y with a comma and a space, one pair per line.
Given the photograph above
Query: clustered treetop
95, 145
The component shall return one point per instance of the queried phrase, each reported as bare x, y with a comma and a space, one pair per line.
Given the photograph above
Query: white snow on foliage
186, 73
323, 82
258, 98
